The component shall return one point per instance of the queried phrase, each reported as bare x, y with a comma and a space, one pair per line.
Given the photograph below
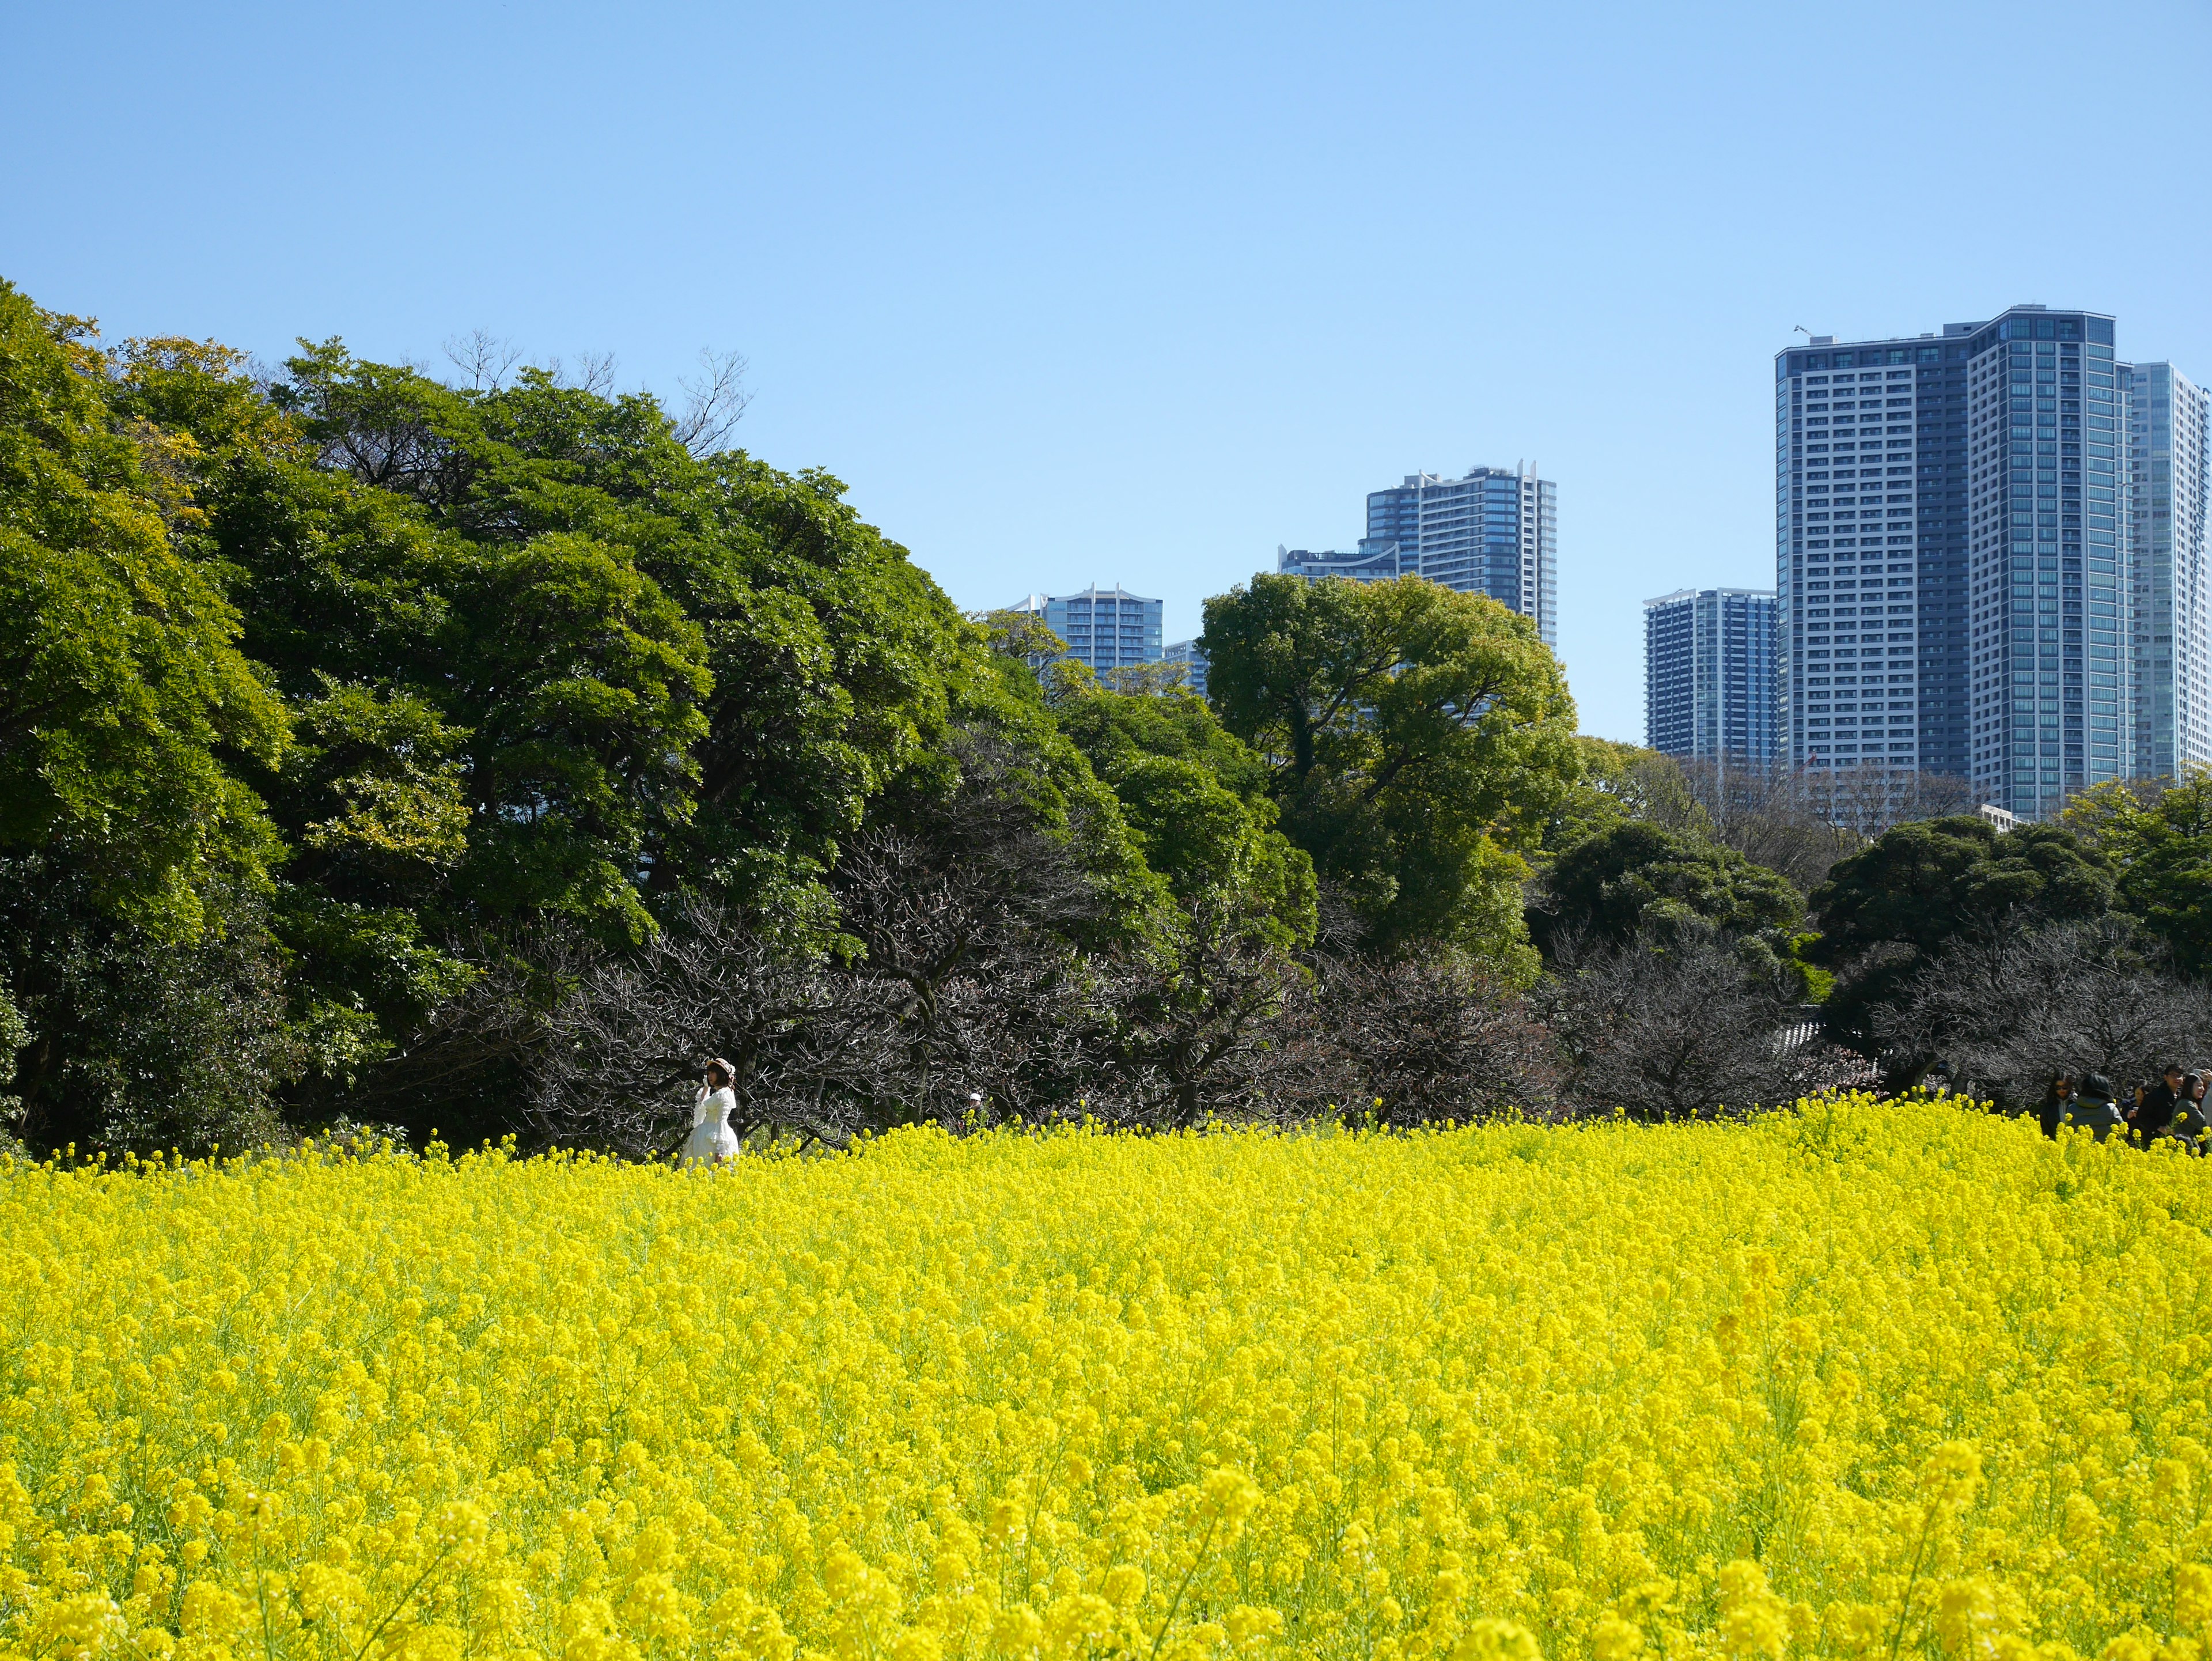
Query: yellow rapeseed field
1857, 1381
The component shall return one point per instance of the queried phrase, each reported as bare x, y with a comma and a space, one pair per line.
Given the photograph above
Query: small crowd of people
2172, 1108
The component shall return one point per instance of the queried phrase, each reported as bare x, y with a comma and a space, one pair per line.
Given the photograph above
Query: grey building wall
1375, 561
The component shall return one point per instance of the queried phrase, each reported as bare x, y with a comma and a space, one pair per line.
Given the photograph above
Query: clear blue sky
1135, 292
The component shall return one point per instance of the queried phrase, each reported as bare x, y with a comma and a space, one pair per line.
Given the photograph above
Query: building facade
1708, 661
1952, 553
1495, 532
1373, 562
1186, 652
1108, 629
2168, 445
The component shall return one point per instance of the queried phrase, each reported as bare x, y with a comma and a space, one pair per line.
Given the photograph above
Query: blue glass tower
2169, 457
1495, 532
1951, 556
1709, 674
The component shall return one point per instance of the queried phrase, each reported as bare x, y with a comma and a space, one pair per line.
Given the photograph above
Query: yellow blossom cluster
1854, 1381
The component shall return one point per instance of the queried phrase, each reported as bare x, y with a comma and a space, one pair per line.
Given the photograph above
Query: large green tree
122, 690
1887, 910
1196, 799
405, 670
1636, 875
2161, 840
1417, 741
1924, 884
834, 663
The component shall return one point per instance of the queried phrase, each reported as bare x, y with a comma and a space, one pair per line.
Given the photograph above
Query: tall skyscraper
2167, 447
1106, 628
1952, 551
1709, 674
1495, 532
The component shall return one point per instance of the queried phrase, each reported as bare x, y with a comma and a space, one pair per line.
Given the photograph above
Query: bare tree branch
484, 357
718, 400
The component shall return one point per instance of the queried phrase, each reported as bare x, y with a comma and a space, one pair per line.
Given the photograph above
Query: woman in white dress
712, 1141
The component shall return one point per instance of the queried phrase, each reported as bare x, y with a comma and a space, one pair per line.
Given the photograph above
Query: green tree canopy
1923, 884
1635, 875
2161, 842
122, 686
541, 662
1886, 910
1196, 799
1417, 741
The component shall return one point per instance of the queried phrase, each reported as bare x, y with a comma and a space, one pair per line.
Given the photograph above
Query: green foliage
1417, 740
135, 1039
833, 665
1926, 883
121, 688
2162, 843
542, 661
1635, 875
1886, 910
1196, 798
1025, 636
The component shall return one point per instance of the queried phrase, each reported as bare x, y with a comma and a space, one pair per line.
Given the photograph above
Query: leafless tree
968, 917
1200, 1017
1870, 798
594, 373
2008, 1009
484, 357
978, 996
625, 1043
1416, 1041
1800, 821
717, 400
1678, 1029
1773, 815
591, 1044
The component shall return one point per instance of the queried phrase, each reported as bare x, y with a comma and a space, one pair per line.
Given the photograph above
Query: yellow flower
1753, 1620
1070, 1395
1615, 1639
1488, 1639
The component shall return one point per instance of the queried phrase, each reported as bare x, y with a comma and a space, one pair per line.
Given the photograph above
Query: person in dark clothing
2156, 1106
2092, 1108
2050, 1113
2191, 1117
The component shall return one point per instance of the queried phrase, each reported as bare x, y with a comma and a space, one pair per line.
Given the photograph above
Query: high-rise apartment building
2169, 448
1709, 674
1953, 555
1495, 532
1107, 628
